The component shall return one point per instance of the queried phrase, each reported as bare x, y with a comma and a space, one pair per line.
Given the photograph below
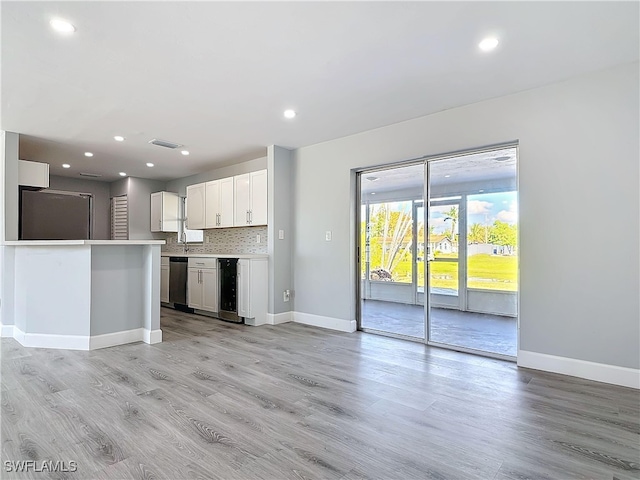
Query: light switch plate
280, 234
327, 236
258, 238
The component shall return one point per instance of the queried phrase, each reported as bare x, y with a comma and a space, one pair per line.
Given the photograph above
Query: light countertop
215, 255
53, 243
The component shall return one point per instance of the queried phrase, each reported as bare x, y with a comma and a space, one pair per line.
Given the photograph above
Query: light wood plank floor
220, 400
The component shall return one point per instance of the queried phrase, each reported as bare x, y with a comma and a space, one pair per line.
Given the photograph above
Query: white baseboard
600, 372
84, 342
47, 340
325, 322
278, 318
116, 338
6, 330
152, 336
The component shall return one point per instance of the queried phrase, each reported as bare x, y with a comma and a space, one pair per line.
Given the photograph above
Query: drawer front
203, 262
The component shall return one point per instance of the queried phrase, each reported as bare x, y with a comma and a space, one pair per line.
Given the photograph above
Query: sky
484, 208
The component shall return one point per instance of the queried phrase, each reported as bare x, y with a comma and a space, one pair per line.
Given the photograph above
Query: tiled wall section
223, 240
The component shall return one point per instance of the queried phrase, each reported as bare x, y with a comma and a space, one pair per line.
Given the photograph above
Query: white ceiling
216, 76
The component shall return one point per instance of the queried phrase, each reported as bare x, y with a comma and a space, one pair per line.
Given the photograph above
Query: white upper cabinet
219, 203
241, 204
196, 209
229, 202
258, 185
164, 212
251, 199
33, 174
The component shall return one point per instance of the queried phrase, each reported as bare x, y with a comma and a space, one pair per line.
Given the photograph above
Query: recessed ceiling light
119, 138
66, 165
447, 176
123, 174
185, 152
88, 154
371, 179
488, 44
480, 191
62, 26
289, 113
149, 164
373, 193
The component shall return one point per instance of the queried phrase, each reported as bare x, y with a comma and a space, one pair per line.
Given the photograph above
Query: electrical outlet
286, 295
258, 238
280, 234
327, 235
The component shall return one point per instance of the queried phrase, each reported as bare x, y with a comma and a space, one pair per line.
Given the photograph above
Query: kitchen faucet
184, 242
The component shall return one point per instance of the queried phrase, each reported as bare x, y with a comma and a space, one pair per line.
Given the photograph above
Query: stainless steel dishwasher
178, 281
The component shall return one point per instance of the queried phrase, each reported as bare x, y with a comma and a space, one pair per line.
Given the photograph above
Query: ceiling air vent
162, 143
92, 175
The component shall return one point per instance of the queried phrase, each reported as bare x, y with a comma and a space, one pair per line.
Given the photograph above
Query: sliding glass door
446, 275
392, 257
473, 239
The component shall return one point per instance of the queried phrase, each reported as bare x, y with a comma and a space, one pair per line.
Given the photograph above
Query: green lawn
491, 272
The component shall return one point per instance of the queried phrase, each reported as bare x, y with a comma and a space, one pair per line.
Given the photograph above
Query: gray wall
139, 208
179, 185
101, 207
119, 188
578, 178
279, 218
118, 280
138, 192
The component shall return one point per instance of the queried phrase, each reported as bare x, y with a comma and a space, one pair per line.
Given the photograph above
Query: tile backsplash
223, 240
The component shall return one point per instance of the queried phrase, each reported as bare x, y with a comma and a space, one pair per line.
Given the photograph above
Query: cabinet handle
219, 219
250, 216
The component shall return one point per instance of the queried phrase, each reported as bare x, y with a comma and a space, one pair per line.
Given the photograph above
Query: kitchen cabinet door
196, 207
242, 197
258, 201
33, 174
226, 202
209, 285
219, 203
194, 288
252, 290
250, 199
212, 202
156, 212
164, 283
244, 293
164, 212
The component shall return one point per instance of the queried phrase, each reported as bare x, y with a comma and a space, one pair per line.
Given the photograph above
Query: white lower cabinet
252, 287
164, 279
202, 280
253, 290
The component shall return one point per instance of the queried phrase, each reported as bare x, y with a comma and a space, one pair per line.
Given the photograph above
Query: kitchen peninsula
86, 294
